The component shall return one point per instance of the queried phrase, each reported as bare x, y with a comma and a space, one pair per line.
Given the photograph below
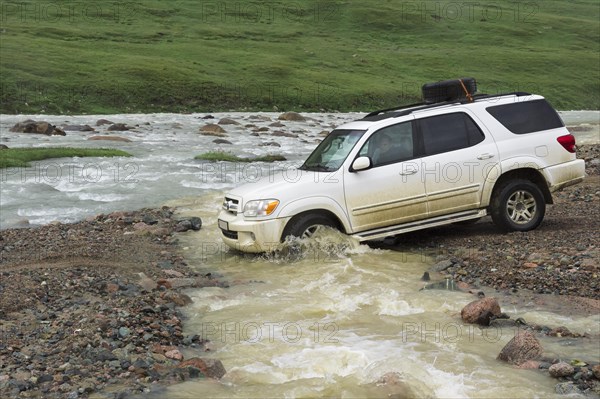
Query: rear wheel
518, 205
305, 225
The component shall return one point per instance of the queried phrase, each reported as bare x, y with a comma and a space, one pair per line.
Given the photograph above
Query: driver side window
390, 145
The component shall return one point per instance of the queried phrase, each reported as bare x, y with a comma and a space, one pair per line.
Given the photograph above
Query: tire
518, 205
448, 90
305, 225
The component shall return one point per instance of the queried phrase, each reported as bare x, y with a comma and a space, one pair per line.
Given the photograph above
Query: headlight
260, 207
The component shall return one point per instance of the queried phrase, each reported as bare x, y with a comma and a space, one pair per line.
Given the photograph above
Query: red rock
479, 311
164, 283
596, 371
530, 265
112, 288
561, 369
211, 368
530, 364
560, 332
174, 354
521, 348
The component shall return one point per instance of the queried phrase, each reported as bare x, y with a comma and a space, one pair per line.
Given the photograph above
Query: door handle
408, 172
485, 156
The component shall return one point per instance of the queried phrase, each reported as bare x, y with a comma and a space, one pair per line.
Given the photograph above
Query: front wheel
305, 225
518, 205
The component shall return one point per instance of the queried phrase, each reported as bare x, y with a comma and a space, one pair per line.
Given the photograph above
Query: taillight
568, 142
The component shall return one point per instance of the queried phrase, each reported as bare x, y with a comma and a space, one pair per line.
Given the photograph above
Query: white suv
411, 168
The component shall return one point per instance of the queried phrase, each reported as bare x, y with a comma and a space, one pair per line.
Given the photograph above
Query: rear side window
448, 132
526, 117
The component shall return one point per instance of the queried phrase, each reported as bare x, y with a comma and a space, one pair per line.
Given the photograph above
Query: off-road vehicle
458, 156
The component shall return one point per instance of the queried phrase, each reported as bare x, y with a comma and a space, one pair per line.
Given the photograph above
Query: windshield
333, 150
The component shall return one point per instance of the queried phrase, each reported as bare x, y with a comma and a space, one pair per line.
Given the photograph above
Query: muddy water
331, 319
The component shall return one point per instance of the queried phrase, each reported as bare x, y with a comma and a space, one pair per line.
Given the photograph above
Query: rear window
526, 117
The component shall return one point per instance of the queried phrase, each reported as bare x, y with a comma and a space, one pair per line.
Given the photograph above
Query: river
327, 323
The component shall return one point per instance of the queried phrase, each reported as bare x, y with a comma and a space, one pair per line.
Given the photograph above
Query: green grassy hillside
186, 55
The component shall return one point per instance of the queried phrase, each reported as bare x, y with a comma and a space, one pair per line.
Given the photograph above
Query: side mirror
361, 163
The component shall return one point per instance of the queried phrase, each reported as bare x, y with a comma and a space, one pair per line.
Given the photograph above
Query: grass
20, 157
228, 157
189, 56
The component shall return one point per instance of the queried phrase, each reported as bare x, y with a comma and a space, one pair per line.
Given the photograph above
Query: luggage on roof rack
449, 90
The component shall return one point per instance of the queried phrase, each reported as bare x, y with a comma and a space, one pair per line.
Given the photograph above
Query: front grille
233, 235
231, 205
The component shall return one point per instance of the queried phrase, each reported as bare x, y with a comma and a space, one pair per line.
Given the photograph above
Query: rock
101, 122
78, 128
280, 133
222, 141
110, 138
560, 332
271, 143
481, 311
177, 298
561, 369
425, 277
208, 117
277, 124
124, 332
291, 116
213, 129
596, 371
324, 133
441, 266
567, 388
174, 354
41, 127
194, 223
396, 384
228, 121
146, 283
211, 368
530, 365
3, 147
521, 348
118, 127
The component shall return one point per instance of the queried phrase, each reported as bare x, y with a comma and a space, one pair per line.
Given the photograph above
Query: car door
391, 191
456, 159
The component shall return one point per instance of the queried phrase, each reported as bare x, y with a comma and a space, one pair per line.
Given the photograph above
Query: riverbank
94, 306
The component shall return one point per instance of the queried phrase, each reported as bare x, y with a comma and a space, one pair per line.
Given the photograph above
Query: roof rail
408, 109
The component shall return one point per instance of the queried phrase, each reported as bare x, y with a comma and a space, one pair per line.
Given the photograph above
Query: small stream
328, 322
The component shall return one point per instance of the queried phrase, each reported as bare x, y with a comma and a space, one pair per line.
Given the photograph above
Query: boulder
211, 368
292, 116
213, 129
481, 311
101, 122
174, 354
78, 128
280, 133
277, 124
40, 127
441, 266
222, 141
118, 127
596, 371
271, 143
228, 121
3, 147
521, 348
561, 369
110, 138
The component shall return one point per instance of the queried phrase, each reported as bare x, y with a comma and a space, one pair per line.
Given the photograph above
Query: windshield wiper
318, 167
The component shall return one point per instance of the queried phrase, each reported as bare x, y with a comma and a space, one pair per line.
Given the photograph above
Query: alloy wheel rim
521, 207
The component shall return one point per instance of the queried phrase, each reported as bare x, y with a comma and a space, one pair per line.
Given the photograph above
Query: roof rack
408, 109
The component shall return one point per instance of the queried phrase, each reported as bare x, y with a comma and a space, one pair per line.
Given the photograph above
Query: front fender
313, 204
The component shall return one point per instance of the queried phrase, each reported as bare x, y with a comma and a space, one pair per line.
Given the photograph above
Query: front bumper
251, 235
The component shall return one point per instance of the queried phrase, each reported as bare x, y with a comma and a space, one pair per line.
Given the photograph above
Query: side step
419, 225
